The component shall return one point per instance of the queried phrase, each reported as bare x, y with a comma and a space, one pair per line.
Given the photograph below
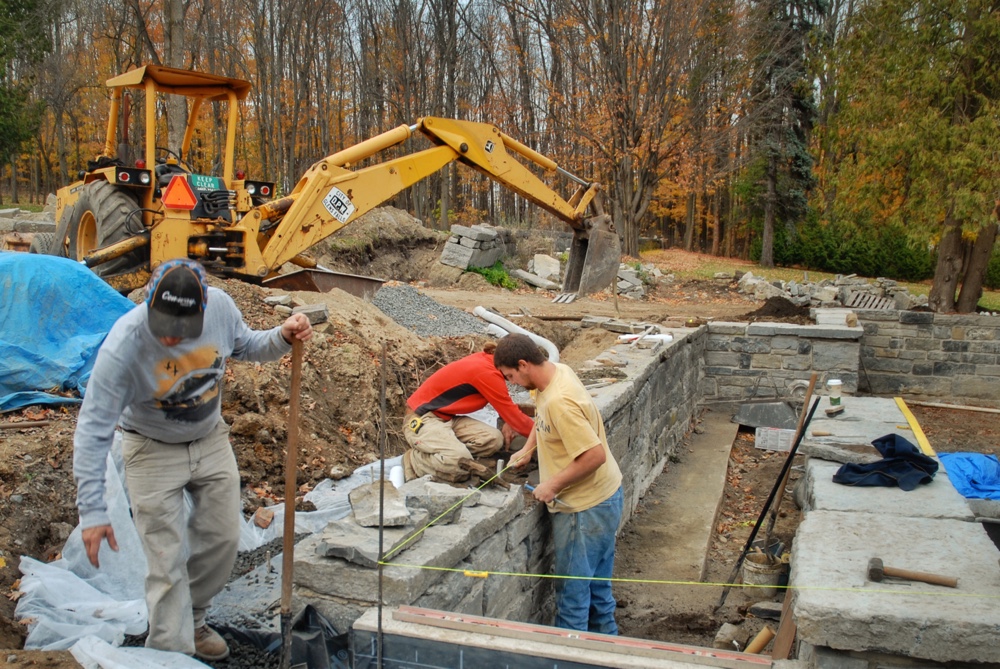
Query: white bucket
759, 571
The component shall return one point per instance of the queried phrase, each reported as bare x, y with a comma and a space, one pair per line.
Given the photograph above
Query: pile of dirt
779, 309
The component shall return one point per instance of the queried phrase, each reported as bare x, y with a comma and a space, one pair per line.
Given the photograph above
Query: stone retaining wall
647, 414
949, 357
745, 361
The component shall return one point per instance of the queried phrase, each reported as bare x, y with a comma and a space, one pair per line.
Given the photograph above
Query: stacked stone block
746, 361
476, 246
951, 357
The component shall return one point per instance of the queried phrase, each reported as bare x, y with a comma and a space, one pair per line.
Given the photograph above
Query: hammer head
876, 570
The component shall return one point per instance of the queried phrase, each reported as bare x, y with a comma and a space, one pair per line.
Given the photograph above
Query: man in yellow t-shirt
579, 480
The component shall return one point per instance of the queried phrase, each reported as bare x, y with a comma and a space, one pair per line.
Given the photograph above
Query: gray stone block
456, 255
476, 232
912, 620
443, 502
370, 512
346, 539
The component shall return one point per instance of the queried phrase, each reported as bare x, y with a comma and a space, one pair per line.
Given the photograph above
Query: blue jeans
585, 547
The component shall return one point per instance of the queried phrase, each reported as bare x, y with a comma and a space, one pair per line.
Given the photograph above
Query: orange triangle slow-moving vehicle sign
178, 194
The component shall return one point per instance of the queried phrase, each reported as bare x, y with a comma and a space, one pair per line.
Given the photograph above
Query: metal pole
381, 509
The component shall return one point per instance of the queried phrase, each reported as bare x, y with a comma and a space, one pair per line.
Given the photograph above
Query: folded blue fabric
902, 465
975, 475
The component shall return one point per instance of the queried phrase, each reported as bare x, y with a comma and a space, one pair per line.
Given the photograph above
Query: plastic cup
835, 386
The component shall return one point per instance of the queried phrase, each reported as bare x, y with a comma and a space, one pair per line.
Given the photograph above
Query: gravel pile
413, 310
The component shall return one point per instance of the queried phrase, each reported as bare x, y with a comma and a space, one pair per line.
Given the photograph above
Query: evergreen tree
919, 129
782, 111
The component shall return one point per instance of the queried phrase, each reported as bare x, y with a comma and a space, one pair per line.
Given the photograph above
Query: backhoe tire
101, 217
42, 242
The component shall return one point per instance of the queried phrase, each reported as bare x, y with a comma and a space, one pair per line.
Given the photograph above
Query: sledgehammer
877, 571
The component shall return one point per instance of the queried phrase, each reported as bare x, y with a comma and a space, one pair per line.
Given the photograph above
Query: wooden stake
288, 535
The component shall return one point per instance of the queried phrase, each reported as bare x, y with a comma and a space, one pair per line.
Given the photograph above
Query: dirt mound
387, 243
341, 387
779, 309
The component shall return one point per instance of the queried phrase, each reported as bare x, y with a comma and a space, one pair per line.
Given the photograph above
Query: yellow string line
918, 432
472, 573
457, 504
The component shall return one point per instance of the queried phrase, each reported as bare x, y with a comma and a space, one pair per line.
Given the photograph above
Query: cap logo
185, 302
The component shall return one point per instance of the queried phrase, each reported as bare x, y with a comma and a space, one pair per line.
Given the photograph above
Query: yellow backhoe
124, 217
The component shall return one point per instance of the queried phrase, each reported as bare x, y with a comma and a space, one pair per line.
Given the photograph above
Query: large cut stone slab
365, 501
346, 539
937, 499
838, 607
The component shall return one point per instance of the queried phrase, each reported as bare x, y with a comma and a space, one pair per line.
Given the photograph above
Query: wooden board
782, 646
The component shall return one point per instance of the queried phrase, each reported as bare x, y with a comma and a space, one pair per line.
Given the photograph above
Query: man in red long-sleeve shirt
440, 438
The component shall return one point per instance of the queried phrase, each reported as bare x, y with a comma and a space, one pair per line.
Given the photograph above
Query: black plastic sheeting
316, 643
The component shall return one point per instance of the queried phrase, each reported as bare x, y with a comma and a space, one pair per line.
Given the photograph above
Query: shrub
496, 275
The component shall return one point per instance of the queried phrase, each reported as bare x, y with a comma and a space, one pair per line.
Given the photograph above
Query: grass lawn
685, 265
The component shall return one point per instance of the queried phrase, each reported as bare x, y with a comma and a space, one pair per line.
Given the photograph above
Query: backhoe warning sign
338, 204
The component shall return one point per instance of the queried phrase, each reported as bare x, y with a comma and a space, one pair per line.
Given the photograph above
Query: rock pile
844, 291
476, 246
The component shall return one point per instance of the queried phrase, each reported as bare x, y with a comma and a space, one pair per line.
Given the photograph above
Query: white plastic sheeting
72, 605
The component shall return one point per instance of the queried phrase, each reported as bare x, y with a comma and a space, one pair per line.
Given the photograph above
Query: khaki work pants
439, 445
179, 591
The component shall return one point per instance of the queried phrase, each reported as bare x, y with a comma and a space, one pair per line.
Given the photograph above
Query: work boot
474, 467
209, 644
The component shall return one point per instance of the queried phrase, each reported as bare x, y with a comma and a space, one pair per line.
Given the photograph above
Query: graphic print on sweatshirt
188, 386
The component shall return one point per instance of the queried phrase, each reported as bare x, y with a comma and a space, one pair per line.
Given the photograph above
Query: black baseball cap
176, 296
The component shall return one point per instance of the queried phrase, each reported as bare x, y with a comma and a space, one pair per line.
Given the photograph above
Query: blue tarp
975, 475
54, 314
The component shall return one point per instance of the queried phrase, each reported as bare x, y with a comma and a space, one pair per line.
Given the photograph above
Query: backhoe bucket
594, 257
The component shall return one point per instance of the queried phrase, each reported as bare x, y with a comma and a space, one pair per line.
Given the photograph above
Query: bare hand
296, 326
92, 538
508, 434
521, 459
544, 492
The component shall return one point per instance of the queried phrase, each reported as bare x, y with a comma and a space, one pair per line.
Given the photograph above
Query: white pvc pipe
509, 327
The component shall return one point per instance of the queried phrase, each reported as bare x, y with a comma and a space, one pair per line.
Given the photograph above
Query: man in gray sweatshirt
158, 377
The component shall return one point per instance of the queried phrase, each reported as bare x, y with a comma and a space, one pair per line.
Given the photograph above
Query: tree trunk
767, 239
949, 264
689, 222
975, 271
173, 15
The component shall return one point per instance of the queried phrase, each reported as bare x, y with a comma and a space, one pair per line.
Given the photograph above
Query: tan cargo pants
179, 592
438, 445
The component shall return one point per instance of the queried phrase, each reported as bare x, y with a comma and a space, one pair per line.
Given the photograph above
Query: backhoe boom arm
330, 194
